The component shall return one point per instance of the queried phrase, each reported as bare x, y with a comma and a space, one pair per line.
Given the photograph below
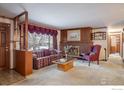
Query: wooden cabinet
24, 62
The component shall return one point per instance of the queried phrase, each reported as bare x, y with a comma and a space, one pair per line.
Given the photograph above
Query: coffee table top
62, 60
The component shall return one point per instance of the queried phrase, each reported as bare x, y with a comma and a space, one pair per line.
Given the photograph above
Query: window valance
38, 30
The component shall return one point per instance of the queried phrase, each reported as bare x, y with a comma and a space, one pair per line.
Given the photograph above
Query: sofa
44, 57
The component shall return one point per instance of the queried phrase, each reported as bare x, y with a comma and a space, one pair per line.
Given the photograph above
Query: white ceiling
62, 16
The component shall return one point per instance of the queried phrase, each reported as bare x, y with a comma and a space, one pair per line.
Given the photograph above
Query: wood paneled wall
85, 39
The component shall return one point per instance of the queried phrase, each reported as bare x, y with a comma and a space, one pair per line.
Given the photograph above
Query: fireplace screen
73, 50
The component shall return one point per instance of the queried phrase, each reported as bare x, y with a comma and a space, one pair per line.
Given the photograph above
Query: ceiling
63, 16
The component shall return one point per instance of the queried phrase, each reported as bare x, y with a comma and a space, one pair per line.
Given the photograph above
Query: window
51, 42
39, 41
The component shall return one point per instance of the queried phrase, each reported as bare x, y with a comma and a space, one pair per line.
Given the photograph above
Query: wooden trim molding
26, 31
23, 13
77, 28
100, 27
6, 17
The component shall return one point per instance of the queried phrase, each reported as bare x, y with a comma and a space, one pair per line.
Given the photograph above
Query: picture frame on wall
99, 36
73, 35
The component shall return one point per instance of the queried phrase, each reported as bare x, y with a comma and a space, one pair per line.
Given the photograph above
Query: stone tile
9, 77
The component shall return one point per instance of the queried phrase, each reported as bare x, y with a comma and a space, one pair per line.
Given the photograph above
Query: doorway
4, 46
115, 44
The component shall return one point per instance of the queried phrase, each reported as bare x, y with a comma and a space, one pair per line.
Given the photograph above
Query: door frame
7, 64
121, 42
115, 35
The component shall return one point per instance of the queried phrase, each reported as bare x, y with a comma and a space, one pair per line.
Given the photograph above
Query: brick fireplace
83, 45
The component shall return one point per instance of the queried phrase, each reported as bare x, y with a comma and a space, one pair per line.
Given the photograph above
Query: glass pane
38, 41
51, 41
3, 39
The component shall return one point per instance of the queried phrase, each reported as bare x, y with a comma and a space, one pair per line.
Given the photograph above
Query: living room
64, 44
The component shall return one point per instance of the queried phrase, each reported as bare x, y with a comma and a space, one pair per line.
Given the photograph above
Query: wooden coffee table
64, 64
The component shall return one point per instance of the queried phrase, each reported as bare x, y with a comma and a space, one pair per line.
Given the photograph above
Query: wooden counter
24, 64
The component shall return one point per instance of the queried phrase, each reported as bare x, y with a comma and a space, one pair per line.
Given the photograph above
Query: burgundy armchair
93, 55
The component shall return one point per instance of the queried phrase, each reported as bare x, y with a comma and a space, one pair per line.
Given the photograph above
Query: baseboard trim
103, 60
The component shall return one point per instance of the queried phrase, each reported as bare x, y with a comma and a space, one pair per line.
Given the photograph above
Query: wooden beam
84, 27
76, 28
115, 32
100, 27
24, 38
6, 17
23, 13
15, 31
26, 30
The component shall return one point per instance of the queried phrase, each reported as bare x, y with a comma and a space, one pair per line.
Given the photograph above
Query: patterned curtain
55, 42
40, 30
41, 38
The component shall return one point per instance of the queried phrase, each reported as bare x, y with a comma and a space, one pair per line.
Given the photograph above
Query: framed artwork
73, 35
99, 36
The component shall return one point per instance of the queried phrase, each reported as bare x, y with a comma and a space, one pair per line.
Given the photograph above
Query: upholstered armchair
93, 55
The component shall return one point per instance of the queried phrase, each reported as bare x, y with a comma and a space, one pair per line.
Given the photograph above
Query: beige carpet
107, 73
115, 58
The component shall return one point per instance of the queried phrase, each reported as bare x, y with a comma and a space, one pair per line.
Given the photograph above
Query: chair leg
89, 63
